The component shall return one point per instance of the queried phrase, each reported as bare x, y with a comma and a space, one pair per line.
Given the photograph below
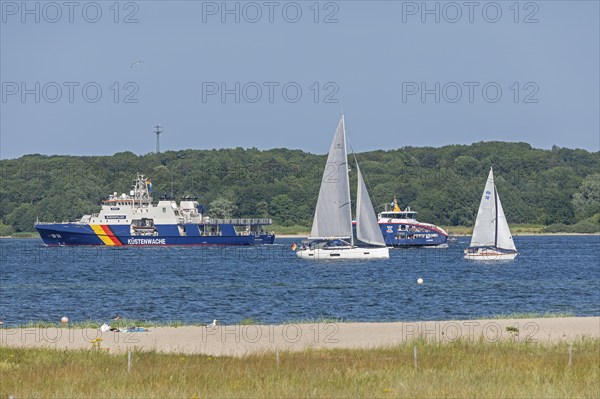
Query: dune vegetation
459, 369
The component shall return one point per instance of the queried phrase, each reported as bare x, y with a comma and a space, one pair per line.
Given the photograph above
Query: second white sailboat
491, 238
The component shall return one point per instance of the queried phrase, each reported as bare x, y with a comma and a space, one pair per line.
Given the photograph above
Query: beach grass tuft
459, 369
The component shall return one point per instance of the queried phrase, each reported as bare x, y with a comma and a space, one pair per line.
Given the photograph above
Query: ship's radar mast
141, 190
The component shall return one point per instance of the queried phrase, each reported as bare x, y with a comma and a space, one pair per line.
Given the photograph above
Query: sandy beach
239, 340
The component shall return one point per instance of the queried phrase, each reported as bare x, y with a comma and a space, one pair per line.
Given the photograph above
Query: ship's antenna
158, 129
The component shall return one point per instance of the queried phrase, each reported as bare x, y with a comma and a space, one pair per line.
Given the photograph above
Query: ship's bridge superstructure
406, 214
137, 209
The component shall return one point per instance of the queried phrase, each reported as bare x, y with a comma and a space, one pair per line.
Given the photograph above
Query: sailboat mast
348, 185
496, 219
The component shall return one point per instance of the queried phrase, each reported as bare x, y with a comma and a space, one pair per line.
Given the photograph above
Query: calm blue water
270, 285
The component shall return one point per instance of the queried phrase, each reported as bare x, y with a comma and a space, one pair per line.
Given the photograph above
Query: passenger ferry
400, 228
134, 220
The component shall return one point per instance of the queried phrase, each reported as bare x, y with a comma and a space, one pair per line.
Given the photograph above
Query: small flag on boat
294, 246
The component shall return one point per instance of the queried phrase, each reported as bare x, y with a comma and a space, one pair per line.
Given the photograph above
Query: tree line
559, 187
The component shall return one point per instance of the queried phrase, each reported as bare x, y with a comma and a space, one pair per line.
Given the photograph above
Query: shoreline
451, 234
240, 340
469, 235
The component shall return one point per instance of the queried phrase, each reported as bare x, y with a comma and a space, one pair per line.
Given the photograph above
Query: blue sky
282, 73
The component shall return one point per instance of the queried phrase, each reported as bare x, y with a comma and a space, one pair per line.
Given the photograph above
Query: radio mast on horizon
158, 129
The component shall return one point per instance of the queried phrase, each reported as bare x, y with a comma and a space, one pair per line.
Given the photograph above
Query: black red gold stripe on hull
105, 234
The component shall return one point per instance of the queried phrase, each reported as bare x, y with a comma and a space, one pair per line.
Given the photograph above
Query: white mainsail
367, 228
491, 227
484, 232
333, 214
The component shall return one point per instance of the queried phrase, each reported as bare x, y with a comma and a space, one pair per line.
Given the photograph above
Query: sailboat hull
489, 254
345, 252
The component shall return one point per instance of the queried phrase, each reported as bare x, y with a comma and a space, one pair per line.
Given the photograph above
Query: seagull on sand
213, 324
139, 62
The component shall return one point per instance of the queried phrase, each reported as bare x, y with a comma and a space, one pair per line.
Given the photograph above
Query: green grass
514, 228
459, 369
300, 230
458, 230
526, 228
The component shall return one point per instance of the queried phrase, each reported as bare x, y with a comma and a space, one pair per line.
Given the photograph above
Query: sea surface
268, 284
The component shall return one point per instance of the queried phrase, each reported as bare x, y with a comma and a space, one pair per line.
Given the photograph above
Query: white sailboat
331, 235
491, 236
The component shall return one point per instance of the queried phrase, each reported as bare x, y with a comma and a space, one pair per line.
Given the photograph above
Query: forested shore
557, 188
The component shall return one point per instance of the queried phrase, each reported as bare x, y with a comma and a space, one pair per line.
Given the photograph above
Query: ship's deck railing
210, 222
237, 222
